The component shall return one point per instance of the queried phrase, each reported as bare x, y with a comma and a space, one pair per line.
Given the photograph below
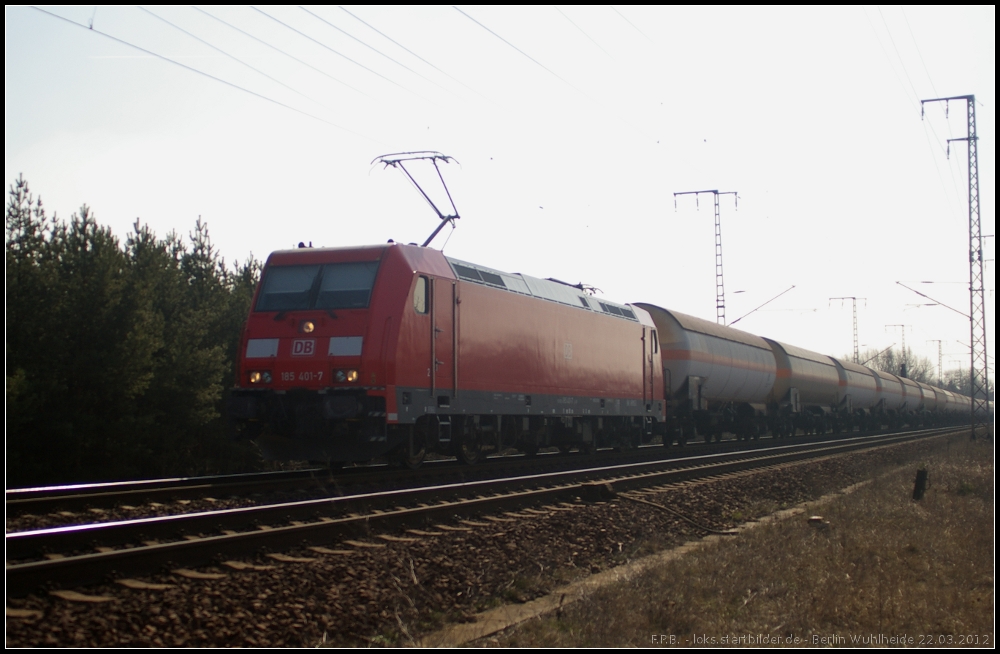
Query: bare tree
958, 381
895, 362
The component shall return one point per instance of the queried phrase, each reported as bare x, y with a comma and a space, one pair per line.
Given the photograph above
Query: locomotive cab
311, 364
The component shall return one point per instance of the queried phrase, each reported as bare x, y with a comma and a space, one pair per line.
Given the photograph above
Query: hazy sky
573, 126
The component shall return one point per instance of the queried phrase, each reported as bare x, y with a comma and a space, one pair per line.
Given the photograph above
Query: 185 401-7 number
307, 376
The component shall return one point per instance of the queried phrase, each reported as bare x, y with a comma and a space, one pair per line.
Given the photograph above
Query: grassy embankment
879, 568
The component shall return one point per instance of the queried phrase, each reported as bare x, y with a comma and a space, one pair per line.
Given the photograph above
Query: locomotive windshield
329, 286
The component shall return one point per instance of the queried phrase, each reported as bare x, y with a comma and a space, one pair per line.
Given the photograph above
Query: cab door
444, 325
647, 367
650, 352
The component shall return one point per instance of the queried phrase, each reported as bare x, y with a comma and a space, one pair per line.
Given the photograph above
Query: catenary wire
570, 20
339, 54
391, 40
930, 143
919, 54
597, 104
372, 48
293, 57
525, 54
902, 65
209, 76
234, 58
631, 23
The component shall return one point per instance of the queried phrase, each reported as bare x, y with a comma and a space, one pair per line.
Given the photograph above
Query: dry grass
883, 568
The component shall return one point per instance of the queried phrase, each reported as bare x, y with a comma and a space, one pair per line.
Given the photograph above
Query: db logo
303, 348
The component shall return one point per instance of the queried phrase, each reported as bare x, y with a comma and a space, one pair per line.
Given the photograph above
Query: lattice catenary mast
979, 373
902, 366
854, 303
720, 290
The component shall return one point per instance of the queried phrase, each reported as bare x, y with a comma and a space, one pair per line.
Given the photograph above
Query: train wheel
470, 451
565, 448
413, 461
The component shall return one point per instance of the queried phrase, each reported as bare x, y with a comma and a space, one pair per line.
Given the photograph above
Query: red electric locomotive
397, 350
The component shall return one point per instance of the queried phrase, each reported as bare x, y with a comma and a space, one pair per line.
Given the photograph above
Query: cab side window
420, 295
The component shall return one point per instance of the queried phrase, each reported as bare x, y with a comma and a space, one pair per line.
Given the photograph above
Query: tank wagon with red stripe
719, 379
397, 350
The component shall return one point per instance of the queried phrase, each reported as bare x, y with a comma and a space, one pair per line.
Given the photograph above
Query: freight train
396, 351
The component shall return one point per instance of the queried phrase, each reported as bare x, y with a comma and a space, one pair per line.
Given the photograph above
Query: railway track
64, 504
82, 496
37, 508
83, 554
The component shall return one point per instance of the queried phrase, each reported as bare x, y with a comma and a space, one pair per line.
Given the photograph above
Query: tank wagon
857, 397
718, 378
397, 350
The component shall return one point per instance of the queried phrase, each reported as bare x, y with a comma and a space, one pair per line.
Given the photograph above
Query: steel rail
108, 494
65, 496
47, 499
298, 523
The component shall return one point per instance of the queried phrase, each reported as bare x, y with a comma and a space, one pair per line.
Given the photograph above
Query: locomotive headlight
257, 376
307, 327
346, 375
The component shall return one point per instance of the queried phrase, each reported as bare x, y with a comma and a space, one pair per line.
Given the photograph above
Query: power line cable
902, 63
391, 40
922, 62
570, 20
919, 54
523, 53
553, 73
339, 54
263, 42
930, 143
941, 149
889, 59
631, 23
398, 63
234, 58
203, 73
